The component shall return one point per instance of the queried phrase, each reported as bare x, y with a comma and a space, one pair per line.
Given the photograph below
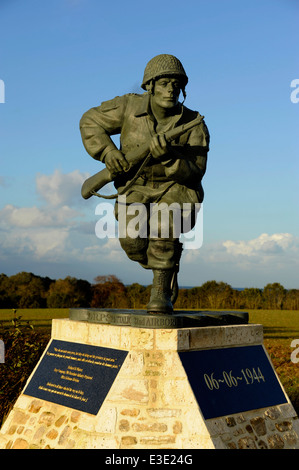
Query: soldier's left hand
158, 146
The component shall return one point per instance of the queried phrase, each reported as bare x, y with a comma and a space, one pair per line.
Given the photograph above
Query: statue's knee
135, 248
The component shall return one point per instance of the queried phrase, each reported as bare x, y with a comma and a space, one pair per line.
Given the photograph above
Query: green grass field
37, 317
278, 324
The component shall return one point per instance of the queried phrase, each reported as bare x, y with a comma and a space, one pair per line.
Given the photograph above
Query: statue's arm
98, 124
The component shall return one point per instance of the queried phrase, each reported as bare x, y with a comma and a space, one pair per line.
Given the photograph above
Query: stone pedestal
152, 403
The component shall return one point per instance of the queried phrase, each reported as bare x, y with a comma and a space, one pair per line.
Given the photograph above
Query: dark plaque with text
232, 380
76, 375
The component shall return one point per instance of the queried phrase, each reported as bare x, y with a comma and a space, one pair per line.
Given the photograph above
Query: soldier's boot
160, 300
163, 258
174, 281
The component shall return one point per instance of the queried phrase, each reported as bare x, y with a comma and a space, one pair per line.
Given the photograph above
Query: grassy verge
37, 317
23, 348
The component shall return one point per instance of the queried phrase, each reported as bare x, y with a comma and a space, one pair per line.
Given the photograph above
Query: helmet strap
150, 87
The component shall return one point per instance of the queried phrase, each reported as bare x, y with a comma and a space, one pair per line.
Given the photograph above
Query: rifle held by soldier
103, 177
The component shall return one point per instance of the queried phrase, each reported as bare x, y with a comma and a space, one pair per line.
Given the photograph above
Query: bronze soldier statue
168, 171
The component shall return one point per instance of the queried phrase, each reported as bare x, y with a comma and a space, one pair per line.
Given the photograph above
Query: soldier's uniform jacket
131, 117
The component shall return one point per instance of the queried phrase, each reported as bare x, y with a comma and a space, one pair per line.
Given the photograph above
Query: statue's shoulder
189, 114
119, 101
111, 104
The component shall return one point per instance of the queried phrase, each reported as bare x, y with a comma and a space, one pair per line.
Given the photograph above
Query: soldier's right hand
116, 162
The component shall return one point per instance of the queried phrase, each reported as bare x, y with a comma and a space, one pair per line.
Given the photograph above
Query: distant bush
26, 290
23, 348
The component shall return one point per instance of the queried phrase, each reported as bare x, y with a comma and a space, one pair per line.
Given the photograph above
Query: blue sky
59, 58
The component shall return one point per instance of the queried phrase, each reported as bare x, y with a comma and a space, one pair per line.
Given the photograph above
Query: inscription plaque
232, 380
76, 375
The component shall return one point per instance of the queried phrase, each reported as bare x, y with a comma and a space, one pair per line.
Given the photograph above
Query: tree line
27, 290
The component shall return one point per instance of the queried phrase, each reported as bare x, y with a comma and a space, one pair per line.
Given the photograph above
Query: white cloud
22, 217
263, 245
60, 232
47, 232
56, 231
243, 263
110, 250
42, 244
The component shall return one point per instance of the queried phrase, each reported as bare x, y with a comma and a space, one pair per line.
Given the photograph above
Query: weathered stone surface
259, 426
246, 443
20, 444
150, 404
46, 418
276, 442
230, 421
128, 441
283, 426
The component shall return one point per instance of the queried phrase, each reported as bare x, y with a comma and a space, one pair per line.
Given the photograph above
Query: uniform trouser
151, 221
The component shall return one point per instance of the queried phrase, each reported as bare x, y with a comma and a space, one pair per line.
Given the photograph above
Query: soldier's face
166, 92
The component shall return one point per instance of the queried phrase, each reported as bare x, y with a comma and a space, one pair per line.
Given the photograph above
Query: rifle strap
129, 185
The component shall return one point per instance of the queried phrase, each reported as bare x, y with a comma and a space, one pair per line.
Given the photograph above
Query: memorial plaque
76, 375
232, 380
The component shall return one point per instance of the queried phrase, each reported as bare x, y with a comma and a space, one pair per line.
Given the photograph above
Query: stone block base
150, 404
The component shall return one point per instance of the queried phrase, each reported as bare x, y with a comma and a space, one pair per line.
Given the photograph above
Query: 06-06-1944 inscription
246, 376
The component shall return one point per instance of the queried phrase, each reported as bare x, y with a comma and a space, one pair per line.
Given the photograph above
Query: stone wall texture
150, 404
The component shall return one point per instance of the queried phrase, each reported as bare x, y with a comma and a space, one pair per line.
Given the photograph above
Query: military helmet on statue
164, 65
